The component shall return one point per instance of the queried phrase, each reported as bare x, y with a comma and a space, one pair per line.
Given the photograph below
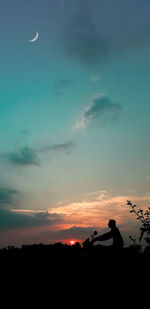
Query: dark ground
48, 259
42, 271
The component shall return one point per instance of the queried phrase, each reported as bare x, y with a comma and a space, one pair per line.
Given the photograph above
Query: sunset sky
74, 117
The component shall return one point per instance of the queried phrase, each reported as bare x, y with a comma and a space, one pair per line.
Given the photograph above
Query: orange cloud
98, 209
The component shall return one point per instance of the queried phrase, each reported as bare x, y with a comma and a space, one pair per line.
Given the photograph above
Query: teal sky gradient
59, 142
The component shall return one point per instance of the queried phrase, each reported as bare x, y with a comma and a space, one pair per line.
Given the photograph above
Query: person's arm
105, 236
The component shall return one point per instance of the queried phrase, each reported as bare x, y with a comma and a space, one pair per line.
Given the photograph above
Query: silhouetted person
114, 234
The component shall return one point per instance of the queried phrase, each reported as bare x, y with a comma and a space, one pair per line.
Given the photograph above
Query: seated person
114, 234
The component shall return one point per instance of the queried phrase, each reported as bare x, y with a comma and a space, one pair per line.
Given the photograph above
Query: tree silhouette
144, 218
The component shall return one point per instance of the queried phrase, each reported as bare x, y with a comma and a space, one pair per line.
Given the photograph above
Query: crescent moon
35, 38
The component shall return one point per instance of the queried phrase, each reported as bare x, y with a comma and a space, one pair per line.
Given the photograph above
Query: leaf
140, 211
146, 213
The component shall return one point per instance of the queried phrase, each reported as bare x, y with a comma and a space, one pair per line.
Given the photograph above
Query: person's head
112, 223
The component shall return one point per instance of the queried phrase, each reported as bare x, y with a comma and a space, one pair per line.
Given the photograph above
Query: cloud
13, 219
22, 157
102, 110
84, 44
26, 156
98, 208
94, 211
7, 195
62, 147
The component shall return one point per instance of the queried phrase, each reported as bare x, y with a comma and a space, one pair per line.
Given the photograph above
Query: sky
74, 118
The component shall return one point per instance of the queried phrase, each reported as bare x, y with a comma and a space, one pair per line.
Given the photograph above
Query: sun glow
72, 242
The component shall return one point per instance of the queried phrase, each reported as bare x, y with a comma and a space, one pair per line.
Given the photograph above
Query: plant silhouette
144, 218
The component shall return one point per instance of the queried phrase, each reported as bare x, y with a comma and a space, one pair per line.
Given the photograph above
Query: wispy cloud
94, 211
101, 111
66, 147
